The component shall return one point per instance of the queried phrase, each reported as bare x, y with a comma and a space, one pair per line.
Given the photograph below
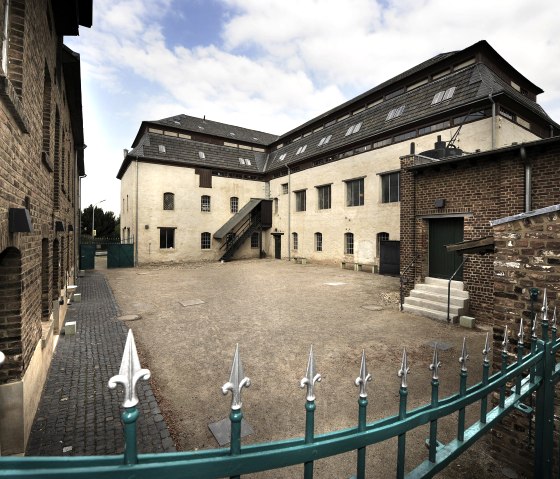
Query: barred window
205, 203
318, 241
255, 240
295, 241
234, 204
168, 201
348, 243
205, 240
355, 192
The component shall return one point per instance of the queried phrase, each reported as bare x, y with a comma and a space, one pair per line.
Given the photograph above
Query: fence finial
534, 328
506, 340
364, 376
554, 318
129, 373
403, 371
464, 356
434, 367
544, 308
521, 334
310, 377
237, 380
487, 348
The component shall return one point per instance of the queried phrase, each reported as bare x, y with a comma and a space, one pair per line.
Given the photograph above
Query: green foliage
106, 224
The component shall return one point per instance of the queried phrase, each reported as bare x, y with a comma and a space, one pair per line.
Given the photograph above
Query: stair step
429, 313
456, 310
443, 282
442, 290
442, 298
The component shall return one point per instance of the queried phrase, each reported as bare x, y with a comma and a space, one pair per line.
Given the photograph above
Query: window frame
255, 235
234, 204
166, 232
322, 202
205, 240
301, 200
205, 204
387, 196
318, 237
295, 241
349, 243
168, 201
352, 198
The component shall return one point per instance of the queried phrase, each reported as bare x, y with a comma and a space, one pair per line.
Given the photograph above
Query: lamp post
93, 218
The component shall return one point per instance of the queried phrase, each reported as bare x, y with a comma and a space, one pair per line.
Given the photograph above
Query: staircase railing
247, 228
449, 286
402, 278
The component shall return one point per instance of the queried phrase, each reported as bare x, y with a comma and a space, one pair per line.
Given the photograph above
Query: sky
272, 65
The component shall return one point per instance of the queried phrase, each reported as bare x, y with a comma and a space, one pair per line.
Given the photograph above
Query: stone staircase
430, 299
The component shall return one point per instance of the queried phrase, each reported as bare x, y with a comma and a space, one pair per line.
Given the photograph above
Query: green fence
534, 372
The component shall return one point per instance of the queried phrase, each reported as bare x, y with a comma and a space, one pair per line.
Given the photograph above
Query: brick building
41, 161
461, 195
193, 189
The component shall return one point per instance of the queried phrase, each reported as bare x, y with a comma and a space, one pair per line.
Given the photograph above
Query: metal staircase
234, 240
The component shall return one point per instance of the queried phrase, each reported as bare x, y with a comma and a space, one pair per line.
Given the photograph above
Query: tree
105, 222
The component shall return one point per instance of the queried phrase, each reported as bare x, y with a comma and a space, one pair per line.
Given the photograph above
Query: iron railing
248, 227
403, 279
532, 373
449, 286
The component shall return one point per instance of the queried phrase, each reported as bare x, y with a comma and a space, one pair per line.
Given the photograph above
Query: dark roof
192, 124
70, 14
237, 218
528, 214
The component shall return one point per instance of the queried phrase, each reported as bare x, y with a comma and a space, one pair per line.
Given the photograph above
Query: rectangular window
5, 17
390, 187
300, 200
349, 243
284, 188
318, 241
295, 241
205, 240
324, 197
432, 128
167, 238
205, 203
168, 201
477, 115
255, 237
381, 143
234, 204
405, 136
355, 192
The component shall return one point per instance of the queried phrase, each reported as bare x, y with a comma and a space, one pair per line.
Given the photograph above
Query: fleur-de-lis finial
434, 367
506, 340
544, 308
129, 373
487, 348
310, 377
364, 377
464, 356
404, 370
237, 380
521, 334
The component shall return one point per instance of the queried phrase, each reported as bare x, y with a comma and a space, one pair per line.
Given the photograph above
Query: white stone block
466, 322
70, 328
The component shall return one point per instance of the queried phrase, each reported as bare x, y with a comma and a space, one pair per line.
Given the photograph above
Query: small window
318, 241
205, 240
395, 112
355, 192
348, 243
168, 201
234, 204
325, 140
300, 200
390, 188
443, 95
161, 148
324, 197
255, 240
205, 178
205, 203
380, 238
295, 241
354, 129
405, 136
201, 155
167, 238
284, 188
381, 143
301, 149
282, 157
275, 206
508, 114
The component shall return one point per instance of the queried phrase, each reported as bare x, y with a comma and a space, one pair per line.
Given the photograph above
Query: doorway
277, 245
445, 231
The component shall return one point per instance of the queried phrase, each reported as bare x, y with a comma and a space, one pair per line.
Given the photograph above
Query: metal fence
535, 371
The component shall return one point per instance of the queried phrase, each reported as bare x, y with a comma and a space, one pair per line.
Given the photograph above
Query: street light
93, 218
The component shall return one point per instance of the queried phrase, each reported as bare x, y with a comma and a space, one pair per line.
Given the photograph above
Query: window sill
9, 97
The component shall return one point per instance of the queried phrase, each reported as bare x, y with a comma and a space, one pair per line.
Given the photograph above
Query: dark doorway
443, 232
389, 257
277, 246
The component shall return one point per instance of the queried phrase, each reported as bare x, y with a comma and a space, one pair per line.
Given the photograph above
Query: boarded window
205, 178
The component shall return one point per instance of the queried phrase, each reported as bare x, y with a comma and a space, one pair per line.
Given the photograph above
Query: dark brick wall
26, 177
482, 190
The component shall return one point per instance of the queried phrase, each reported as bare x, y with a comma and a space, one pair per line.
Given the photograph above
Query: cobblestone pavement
78, 414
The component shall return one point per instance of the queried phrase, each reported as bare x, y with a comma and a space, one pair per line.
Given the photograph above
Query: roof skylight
161, 148
301, 149
443, 95
282, 157
201, 155
324, 140
354, 129
395, 112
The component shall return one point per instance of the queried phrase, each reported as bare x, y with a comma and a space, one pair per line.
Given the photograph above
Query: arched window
348, 243
295, 241
318, 241
205, 203
205, 240
234, 204
168, 201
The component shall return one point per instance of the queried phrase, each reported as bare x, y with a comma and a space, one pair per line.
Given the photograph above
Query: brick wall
527, 256
27, 178
481, 189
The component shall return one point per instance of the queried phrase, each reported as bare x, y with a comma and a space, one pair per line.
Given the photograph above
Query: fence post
361, 382
403, 393
309, 380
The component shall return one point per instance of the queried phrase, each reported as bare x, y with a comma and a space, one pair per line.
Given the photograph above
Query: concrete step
443, 282
463, 302
434, 289
429, 313
455, 310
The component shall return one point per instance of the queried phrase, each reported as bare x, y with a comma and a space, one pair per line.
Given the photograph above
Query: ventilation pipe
493, 121
527, 164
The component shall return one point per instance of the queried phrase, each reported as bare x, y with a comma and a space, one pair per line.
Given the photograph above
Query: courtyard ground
193, 315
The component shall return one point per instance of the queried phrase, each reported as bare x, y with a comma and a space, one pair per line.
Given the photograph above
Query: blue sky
274, 64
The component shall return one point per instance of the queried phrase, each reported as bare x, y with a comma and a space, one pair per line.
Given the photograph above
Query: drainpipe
528, 172
136, 222
493, 121
289, 214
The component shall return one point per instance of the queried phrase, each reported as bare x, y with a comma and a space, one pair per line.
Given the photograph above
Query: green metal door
443, 232
120, 255
87, 256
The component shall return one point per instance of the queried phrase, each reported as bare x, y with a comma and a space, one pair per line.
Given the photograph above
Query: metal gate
87, 256
389, 257
120, 255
